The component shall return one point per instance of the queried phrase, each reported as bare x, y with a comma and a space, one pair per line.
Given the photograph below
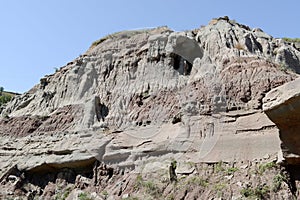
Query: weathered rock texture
139, 97
282, 105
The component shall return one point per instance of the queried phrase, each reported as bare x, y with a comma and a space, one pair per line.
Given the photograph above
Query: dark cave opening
181, 65
45, 173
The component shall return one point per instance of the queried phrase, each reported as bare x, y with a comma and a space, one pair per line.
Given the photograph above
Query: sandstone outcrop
282, 107
139, 98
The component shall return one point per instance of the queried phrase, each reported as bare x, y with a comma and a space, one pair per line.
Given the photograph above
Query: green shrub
247, 192
220, 186
277, 181
219, 167
63, 195
84, 196
266, 166
170, 197
260, 192
4, 99
283, 67
138, 182
105, 193
231, 170
149, 186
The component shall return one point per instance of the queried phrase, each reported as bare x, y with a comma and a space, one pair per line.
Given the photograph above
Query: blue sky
37, 36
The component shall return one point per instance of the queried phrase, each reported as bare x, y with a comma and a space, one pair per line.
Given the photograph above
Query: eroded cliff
139, 98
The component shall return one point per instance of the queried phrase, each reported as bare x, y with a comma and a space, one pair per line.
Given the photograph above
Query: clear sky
37, 36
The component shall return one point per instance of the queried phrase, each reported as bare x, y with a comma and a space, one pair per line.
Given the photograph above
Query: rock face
141, 97
282, 105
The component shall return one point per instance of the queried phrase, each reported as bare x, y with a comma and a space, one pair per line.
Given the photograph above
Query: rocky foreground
108, 124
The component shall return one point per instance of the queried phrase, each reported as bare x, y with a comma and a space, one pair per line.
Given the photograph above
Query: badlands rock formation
138, 99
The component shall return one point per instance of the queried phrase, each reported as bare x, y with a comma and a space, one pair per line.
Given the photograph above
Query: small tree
1, 90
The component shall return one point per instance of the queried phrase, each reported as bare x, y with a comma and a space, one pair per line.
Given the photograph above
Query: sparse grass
84, 196
105, 193
198, 181
120, 34
171, 197
149, 186
5, 99
277, 181
130, 198
231, 170
260, 192
220, 186
64, 194
291, 40
283, 67
219, 167
247, 192
5, 96
266, 166
138, 182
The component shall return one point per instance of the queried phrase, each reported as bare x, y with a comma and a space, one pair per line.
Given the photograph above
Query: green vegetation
149, 186
138, 182
283, 67
170, 197
196, 180
105, 193
291, 40
4, 99
63, 195
123, 34
260, 192
231, 170
266, 166
5, 96
219, 167
130, 198
220, 186
84, 196
277, 181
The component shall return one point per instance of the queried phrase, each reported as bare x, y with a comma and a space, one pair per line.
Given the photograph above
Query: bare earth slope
136, 100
